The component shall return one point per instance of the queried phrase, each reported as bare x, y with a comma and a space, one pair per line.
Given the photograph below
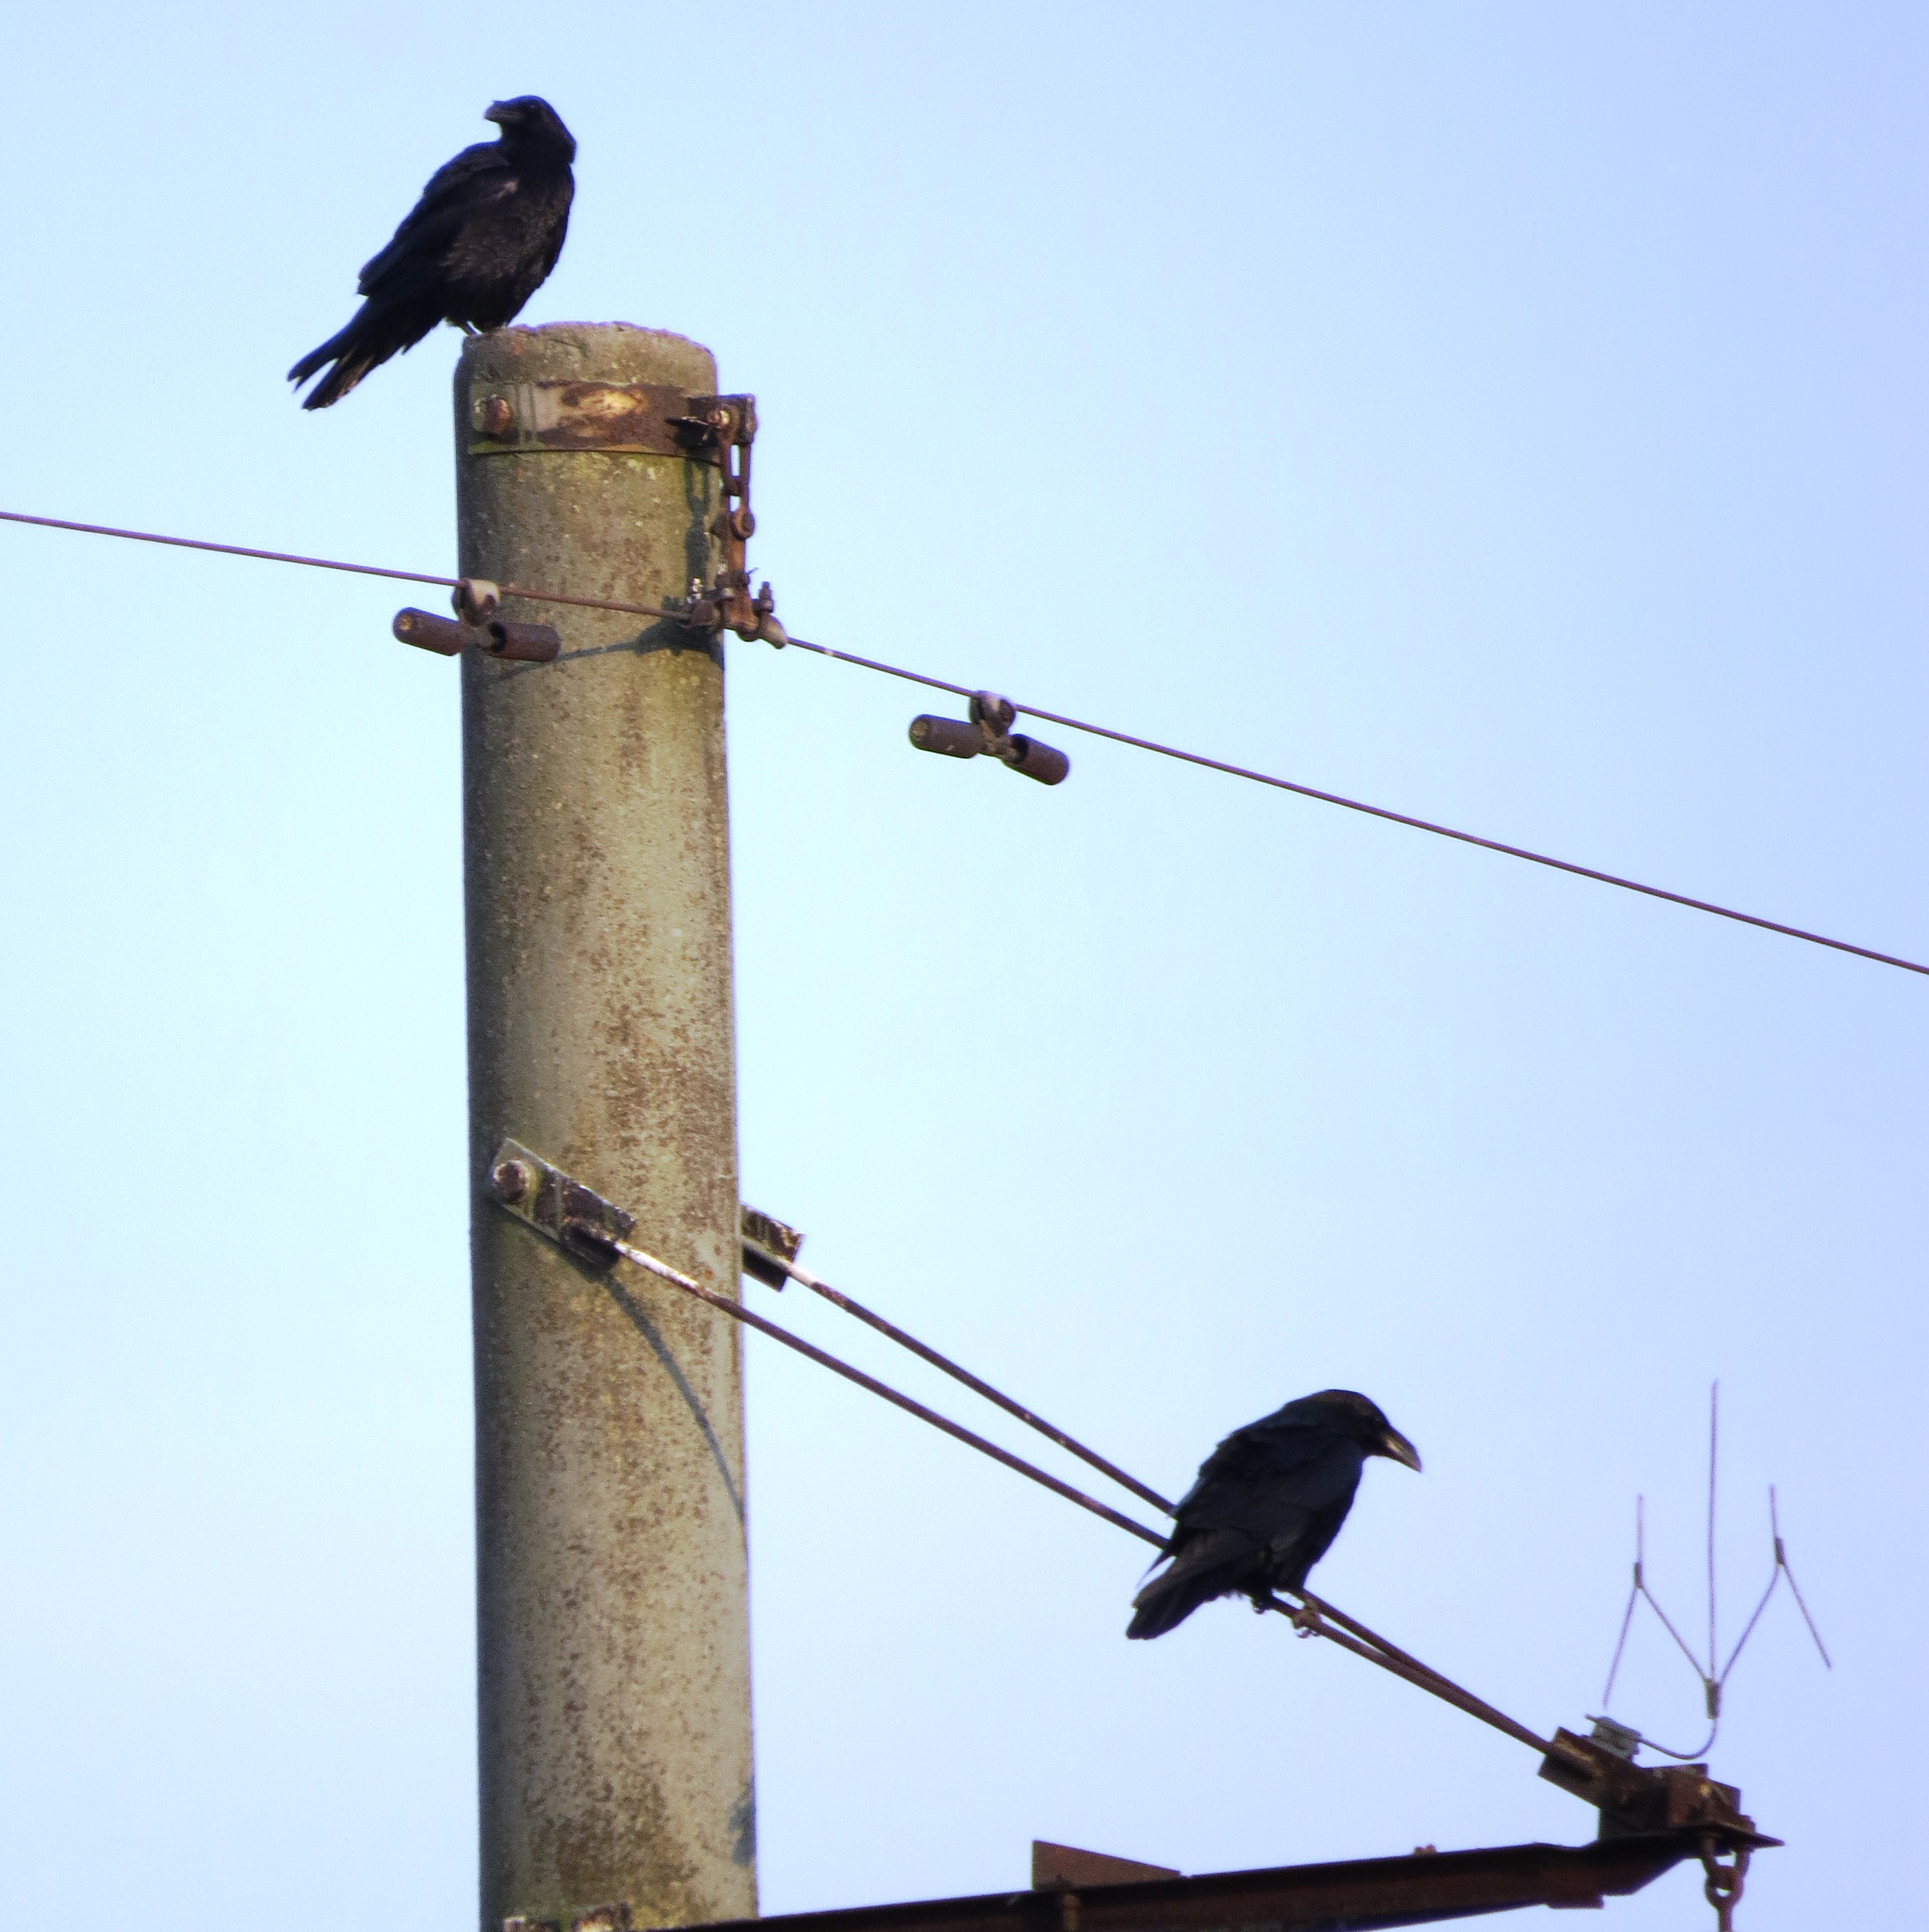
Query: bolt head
510, 1180
495, 415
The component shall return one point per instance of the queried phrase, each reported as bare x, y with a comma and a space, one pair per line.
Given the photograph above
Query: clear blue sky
1512, 414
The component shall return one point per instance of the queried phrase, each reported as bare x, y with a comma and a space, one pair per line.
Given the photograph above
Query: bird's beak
1396, 1448
496, 110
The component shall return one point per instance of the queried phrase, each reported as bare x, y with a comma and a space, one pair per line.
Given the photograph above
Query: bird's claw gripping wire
1305, 1620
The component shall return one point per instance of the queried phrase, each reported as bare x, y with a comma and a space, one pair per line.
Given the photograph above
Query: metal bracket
646, 419
559, 1207
598, 1919
623, 418
720, 429
768, 1243
1641, 1798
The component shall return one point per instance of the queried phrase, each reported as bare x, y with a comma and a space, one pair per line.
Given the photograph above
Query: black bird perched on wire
478, 245
1268, 1503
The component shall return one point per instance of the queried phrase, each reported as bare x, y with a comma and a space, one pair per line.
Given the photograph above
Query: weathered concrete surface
614, 1658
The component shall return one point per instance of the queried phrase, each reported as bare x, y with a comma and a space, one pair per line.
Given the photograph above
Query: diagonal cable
805, 1278
1317, 1617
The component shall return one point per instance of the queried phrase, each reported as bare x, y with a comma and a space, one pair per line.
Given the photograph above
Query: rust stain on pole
614, 1652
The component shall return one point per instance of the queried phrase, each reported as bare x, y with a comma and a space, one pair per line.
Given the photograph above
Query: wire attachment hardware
989, 732
476, 599
720, 429
496, 637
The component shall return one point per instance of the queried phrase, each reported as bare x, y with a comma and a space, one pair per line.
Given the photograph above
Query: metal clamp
989, 733
476, 599
1633, 1798
558, 1205
770, 1246
720, 429
560, 1208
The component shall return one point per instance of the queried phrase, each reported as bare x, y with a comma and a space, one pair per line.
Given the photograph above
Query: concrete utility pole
614, 1649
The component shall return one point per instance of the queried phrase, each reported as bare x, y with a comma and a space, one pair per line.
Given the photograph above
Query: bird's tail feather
372, 335
1210, 1566
348, 351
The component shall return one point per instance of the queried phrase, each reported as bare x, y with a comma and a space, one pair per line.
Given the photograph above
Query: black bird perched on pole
1268, 1503
478, 245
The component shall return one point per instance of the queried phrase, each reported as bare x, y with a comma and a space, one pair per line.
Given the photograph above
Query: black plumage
480, 242
1268, 1503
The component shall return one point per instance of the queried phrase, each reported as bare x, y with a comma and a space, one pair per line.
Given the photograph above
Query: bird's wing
1269, 1481
477, 177
553, 252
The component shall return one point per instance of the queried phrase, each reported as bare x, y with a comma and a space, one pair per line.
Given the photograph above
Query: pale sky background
1514, 414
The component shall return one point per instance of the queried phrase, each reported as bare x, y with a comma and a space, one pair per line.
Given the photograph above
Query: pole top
587, 352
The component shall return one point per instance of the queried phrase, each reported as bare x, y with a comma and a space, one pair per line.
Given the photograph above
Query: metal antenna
1714, 1676
1714, 1446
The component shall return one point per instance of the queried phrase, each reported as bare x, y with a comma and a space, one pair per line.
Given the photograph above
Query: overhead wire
1060, 719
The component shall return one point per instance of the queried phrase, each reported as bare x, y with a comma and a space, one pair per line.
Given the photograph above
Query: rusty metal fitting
989, 733
703, 612
763, 609
1721, 1884
603, 1919
1617, 1740
769, 1246
493, 416
427, 632
1045, 763
526, 644
510, 1180
728, 605
949, 737
994, 716
589, 1241
476, 600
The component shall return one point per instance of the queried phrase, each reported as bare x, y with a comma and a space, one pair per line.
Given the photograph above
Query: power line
326, 563
1030, 710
